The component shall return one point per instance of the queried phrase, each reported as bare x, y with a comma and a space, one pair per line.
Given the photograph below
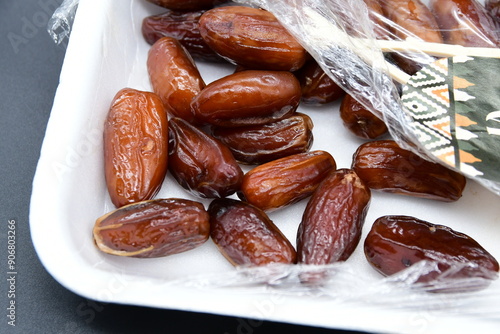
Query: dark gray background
30, 63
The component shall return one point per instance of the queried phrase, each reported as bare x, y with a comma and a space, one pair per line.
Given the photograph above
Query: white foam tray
106, 52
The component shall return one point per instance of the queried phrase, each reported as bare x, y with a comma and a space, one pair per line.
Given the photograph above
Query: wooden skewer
366, 48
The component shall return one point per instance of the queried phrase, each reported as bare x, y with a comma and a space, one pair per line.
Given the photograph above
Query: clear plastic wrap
355, 60
59, 25
364, 49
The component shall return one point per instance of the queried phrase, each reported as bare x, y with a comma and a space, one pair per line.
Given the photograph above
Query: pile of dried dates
201, 134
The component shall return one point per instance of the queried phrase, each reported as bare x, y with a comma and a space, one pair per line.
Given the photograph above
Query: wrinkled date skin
359, 120
246, 236
466, 23
333, 219
385, 166
200, 163
263, 143
285, 181
187, 5
174, 77
247, 98
182, 26
252, 38
153, 228
397, 242
317, 87
135, 146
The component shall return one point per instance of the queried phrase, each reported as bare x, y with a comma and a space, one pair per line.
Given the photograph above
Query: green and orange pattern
455, 107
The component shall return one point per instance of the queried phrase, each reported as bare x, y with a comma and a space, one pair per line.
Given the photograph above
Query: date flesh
252, 38
246, 236
247, 98
153, 228
333, 219
359, 120
182, 26
285, 181
135, 146
174, 77
200, 163
395, 243
385, 166
263, 143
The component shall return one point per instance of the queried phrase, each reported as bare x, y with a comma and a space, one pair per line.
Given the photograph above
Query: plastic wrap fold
372, 48
59, 25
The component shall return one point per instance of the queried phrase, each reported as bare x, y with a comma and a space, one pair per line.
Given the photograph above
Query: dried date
333, 219
135, 146
246, 236
182, 26
387, 167
174, 77
252, 38
285, 181
395, 243
317, 87
200, 163
263, 143
153, 228
247, 98
359, 120
466, 23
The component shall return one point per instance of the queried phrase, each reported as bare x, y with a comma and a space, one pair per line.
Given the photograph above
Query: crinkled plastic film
59, 25
344, 37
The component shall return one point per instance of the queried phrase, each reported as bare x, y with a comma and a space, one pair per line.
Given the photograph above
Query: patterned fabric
455, 107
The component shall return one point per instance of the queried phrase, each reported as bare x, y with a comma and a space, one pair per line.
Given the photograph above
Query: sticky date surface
153, 228
246, 236
331, 224
397, 242
135, 146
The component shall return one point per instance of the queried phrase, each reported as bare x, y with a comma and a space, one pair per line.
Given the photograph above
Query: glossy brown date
182, 26
252, 38
359, 120
153, 228
395, 243
200, 163
174, 77
387, 167
411, 18
246, 236
247, 98
331, 224
187, 5
135, 146
317, 87
263, 143
466, 23
285, 181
